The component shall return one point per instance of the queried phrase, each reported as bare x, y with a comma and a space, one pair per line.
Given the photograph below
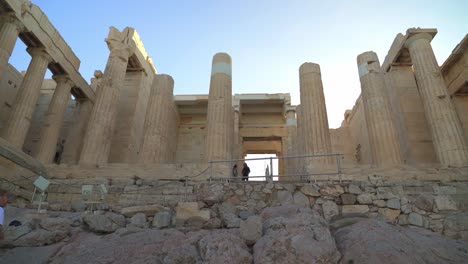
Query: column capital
309, 67
419, 36
222, 63
62, 78
10, 18
39, 52
119, 49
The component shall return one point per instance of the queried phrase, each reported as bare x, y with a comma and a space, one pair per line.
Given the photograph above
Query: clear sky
267, 39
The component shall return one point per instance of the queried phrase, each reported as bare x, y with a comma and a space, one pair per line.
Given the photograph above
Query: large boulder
362, 240
251, 229
302, 237
224, 247
103, 223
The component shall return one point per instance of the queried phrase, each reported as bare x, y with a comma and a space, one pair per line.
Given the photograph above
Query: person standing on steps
245, 172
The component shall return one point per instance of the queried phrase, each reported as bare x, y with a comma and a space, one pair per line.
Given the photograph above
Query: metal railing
300, 168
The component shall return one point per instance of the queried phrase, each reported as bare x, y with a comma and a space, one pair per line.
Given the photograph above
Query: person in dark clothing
234, 171
245, 172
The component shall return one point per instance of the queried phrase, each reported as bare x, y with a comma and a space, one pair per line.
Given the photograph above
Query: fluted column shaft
300, 140
25, 102
447, 134
96, 144
50, 130
287, 143
384, 144
219, 117
314, 113
155, 147
10, 28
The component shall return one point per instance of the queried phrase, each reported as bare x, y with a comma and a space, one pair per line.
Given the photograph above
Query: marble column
25, 102
299, 143
288, 142
51, 128
384, 144
316, 132
447, 134
96, 143
155, 148
220, 116
74, 141
10, 28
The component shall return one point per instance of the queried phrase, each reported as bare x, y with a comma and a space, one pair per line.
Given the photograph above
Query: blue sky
267, 40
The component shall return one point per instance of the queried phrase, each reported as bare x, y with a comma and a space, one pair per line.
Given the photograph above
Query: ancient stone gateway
403, 152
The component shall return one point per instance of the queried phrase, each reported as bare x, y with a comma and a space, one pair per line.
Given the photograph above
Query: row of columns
445, 126
20, 118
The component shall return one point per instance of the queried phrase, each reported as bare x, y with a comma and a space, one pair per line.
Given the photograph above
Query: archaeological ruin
401, 153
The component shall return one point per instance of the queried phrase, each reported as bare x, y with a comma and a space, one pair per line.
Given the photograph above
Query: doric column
74, 141
96, 144
155, 147
314, 113
53, 120
447, 134
288, 142
219, 117
25, 102
299, 142
10, 28
383, 139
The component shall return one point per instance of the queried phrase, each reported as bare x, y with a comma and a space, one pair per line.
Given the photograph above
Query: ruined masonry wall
434, 205
191, 139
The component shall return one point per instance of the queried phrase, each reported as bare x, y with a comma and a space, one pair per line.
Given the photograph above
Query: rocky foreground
281, 234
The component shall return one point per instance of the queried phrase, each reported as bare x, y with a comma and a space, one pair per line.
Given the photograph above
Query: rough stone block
393, 203
348, 199
389, 214
415, 219
354, 209
444, 202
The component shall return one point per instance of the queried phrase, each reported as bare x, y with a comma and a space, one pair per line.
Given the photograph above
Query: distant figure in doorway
234, 171
59, 151
245, 172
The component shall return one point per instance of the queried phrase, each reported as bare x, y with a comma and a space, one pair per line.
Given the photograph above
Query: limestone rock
383, 243
380, 203
284, 210
285, 197
100, 223
40, 237
30, 255
424, 202
389, 214
330, 209
212, 193
245, 214
297, 238
148, 210
365, 198
331, 190
444, 202
12, 233
394, 203
456, 226
354, 209
300, 199
187, 210
223, 247
52, 224
354, 189
139, 220
162, 219
348, 199
251, 229
310, 190
415, 219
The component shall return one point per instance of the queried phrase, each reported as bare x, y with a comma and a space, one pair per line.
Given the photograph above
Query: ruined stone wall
410, 120
129, 129
437, 205
357, 129
191, 139
9, 86
340, 144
